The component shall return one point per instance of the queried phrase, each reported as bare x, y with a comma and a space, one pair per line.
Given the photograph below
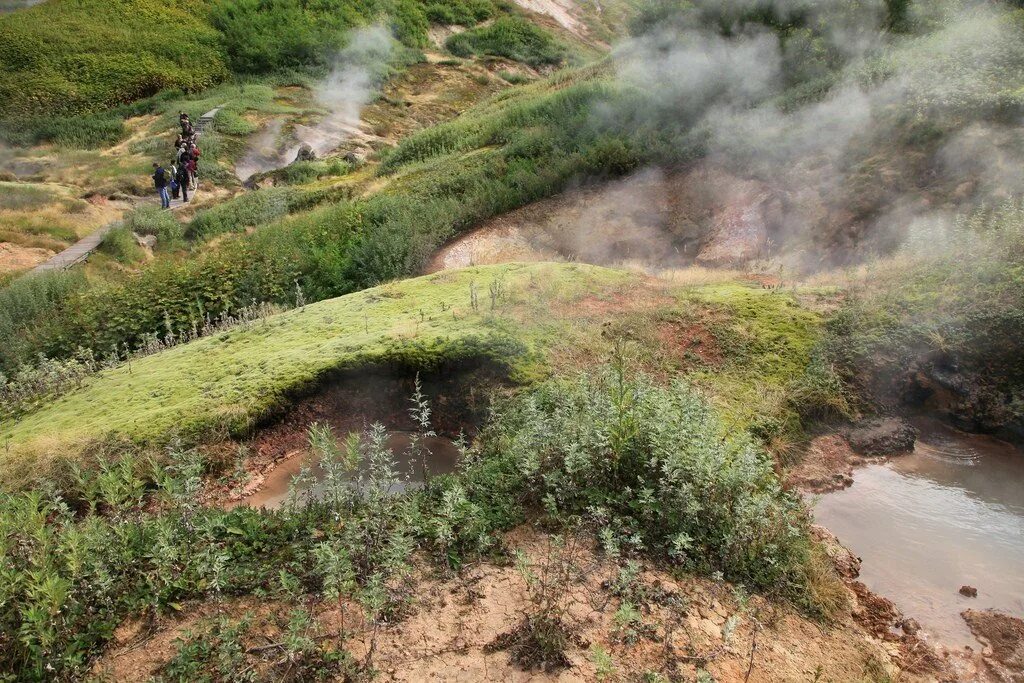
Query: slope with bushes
518, 316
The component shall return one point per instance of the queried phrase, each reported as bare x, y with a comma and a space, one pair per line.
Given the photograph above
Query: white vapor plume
356, 73
832, 163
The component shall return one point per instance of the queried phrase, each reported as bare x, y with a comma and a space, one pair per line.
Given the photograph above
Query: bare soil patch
459, 396
651, 220
15, 257
685, 624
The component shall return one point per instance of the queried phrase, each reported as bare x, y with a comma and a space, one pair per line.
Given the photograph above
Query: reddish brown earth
454, 627
1003, 638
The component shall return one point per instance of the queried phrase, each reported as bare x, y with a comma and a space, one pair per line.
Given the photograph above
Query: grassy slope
233, 378
70, 57
550, 315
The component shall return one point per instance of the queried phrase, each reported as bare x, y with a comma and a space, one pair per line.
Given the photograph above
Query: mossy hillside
546, 318
72, 57
768, 376
231, 380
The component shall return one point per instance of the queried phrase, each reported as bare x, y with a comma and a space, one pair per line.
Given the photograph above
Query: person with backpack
187, 130
160, 180
183, 175
175, 188
193, 151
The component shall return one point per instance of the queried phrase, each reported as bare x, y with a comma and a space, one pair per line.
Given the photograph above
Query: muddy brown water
442, 458
949, 514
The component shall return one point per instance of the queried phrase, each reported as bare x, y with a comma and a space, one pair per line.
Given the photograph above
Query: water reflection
951, 513
441, 458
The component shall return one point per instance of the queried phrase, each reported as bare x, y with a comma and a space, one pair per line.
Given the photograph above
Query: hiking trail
80, 250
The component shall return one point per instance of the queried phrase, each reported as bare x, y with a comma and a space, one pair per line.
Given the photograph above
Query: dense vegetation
118, 388
129, 536
67, 78
73, 58
233, 378
950, 312
511, 37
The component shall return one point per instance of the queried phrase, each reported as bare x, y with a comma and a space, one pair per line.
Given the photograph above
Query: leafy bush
41, 380
657, 471
27, 308
464, 12
73, 565
512, 37
119, 244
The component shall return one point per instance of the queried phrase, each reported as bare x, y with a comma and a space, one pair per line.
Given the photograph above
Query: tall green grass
512, 37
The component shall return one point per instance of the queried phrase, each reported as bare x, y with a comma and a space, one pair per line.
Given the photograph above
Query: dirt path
80, 250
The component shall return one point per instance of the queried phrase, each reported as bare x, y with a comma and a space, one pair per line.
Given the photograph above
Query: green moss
768, 344
231, 380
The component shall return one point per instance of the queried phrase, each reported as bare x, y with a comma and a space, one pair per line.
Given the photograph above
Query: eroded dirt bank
454, 629
459, 395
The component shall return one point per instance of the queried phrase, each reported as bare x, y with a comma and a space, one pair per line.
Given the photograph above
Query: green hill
63, 58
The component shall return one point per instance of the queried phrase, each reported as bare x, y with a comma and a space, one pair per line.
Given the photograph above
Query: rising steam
355, 75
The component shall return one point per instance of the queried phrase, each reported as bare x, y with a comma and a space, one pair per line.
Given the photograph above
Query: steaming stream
950, 513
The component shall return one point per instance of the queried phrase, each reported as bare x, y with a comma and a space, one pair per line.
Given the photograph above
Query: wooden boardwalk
80, 250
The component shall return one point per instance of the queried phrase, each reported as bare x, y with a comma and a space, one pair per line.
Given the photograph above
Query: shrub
228, 122
119, 244
21, 197
514, 78
68, 59
252, 209
656, 469
152, 220
301, 172
267, 36
512, 37
464, 12
28, 310
79, 132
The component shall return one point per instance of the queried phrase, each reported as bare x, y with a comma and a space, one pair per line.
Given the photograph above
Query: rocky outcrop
305, 153
1003, 638
882, 436
740, 232
965, 396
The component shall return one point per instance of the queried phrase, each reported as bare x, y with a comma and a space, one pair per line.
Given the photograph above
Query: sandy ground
16, 257
651, 220
454, 629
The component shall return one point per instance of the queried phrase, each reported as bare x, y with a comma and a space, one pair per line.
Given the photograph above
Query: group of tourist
183, 172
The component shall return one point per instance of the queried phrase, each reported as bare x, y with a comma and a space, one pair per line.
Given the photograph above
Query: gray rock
882, 436
305, 153
147, 241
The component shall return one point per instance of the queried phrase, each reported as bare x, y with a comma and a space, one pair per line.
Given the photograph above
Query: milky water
950, 513
440, 457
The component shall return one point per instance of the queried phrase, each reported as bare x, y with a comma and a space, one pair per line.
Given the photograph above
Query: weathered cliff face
976, 397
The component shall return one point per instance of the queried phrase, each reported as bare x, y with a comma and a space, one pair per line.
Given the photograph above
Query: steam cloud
354, 77
818, 158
